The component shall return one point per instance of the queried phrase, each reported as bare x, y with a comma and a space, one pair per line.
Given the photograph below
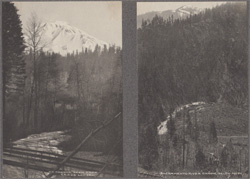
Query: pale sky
144, 7
102, 20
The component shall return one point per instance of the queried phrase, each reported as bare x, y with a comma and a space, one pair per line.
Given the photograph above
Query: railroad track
36, 159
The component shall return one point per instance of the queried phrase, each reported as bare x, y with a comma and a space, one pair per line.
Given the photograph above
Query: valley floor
48, 142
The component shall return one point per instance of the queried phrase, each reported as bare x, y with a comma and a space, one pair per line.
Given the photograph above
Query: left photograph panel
62, 89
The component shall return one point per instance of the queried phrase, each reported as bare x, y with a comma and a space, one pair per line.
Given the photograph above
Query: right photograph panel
193, 89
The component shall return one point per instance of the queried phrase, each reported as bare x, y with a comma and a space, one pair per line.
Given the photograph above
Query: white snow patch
188, 10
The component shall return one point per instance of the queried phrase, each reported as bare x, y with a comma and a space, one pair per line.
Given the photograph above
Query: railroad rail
36, 159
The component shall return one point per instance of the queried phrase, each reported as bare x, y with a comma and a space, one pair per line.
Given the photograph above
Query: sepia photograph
62, 89
193, 89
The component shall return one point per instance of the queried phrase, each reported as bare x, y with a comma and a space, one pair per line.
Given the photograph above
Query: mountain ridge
181, 12
60, 37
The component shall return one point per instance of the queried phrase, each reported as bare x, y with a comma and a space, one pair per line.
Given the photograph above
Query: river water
46, 141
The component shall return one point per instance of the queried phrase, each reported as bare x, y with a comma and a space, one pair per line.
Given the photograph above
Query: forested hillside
179, 13
200, 58
72, 91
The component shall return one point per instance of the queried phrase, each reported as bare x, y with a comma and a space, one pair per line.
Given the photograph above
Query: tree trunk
36, 96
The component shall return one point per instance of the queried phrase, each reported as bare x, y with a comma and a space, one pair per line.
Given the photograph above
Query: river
46, 141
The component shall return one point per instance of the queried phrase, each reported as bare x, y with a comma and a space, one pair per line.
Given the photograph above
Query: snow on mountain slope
181, 12
188, 10
60, 37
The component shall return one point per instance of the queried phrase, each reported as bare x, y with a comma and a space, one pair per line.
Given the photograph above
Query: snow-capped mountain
188, 10
181, 12
60, 37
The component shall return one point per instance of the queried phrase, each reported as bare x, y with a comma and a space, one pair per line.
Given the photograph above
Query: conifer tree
200, 159
13, 48
189, 124
224, 157
171, 126
212, 133
151, 143
13, 64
